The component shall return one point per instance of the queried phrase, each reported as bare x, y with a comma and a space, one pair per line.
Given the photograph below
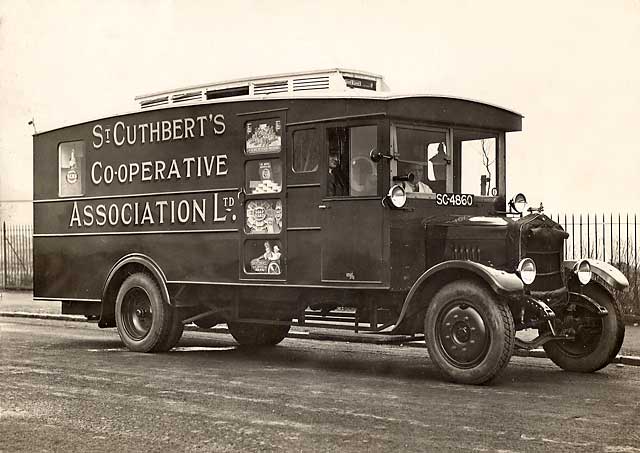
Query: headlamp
397, 197
527, 271
518, 203
583, 270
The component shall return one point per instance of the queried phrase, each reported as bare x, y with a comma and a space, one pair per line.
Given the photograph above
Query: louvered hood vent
311, 83
271, 87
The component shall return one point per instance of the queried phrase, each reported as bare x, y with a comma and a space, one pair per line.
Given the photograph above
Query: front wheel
597, 339
469, 333
250, 334
145, 320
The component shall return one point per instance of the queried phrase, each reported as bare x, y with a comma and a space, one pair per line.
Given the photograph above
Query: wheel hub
137, 315
463, 335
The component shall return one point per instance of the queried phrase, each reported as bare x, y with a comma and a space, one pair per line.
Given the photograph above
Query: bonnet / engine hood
466, 237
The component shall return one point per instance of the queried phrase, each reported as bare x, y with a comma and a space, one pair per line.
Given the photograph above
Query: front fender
609, 274
501, 282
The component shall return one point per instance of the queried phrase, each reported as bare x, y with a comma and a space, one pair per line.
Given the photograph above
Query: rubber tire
165, 330
250, 334
610, 342
497, 319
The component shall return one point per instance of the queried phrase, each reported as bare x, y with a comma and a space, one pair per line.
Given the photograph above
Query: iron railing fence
607, 237
16, 255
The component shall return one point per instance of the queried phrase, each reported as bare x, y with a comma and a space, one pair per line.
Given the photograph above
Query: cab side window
306, 151
350, 170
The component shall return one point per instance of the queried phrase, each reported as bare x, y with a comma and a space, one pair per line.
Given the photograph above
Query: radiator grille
548, 266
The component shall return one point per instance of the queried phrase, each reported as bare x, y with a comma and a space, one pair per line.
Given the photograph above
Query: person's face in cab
333, 162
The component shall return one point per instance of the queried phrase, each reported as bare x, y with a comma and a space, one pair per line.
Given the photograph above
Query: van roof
322, 83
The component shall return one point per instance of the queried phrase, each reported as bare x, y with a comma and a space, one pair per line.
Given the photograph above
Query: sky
571, 68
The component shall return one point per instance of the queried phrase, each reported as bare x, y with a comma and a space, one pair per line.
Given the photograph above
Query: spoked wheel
597, 339
250, 334
470, 334
145, 320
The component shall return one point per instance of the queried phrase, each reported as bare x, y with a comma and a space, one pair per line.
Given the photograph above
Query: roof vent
183, 97
154, 102
228, 92
311, 83
271, 87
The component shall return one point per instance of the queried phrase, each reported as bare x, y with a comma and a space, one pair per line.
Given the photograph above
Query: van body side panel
168, 183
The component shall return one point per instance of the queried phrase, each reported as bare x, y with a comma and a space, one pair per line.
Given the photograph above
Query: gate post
4, 255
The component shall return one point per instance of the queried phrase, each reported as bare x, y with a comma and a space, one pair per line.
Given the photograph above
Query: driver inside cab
416, 184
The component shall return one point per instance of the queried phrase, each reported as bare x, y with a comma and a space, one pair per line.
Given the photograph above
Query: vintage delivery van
316, 198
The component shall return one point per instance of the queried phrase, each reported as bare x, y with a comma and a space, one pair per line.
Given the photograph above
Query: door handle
323, 206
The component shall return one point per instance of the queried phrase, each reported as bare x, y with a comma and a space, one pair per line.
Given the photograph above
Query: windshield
425, 164
475, 162
422, 160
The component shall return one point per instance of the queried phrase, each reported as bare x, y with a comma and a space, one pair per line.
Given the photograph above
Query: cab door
351, 212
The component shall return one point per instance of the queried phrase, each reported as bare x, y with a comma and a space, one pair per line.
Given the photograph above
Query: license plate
454, 199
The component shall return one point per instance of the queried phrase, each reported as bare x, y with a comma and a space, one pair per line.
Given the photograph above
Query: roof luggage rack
330, 80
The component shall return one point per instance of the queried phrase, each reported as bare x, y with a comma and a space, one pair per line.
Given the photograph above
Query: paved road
69, 386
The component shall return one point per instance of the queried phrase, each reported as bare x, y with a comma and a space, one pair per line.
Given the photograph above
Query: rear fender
503, 283
118, 273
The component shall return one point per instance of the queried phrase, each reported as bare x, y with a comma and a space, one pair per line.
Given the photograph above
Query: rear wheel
258, 334
469, 333
145, 320
597, 339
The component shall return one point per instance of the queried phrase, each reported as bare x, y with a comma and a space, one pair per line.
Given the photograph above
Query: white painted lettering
166, 131
173, 171
154, 131
219, 126
161, 205
101, 212
108, 174
75, 215
201, 120
88, 215
97, 133
183, 218
189, 124
96, 179
118, 139
216, 217
200, 210
114, 215
160, 168
146, 216
177, 129
131, 135
221, 167
147, 168
126, 219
